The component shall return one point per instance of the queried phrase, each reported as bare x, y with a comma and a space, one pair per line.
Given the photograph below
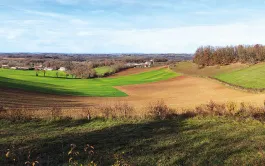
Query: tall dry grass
154, 110
160, 110
229, 109
115, 110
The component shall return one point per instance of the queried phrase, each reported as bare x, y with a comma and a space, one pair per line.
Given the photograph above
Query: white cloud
80, 37
85, 33
46, 14
182, 39
67, 2
79, 22
10, 34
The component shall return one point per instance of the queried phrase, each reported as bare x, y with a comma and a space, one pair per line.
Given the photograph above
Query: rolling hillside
251, 77
101, 87
190, 68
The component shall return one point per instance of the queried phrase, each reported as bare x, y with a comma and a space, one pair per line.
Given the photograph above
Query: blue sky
128, 26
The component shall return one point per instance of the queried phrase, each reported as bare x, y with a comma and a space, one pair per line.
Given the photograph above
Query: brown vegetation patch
209, 55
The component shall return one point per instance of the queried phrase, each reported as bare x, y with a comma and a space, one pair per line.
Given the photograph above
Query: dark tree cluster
115, 69
208, 55
82, 71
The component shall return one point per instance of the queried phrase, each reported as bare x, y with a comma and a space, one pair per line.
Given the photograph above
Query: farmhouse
5, 66
22, 68
152, 62
40, 67
146, 64
62, 69
149, 63
133, 64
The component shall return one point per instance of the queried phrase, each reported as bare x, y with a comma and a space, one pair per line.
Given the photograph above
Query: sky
128, 26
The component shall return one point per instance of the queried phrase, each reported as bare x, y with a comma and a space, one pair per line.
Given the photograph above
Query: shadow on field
9, 98
35, 86
168, 142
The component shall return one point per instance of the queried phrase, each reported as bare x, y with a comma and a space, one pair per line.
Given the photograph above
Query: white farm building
62, 69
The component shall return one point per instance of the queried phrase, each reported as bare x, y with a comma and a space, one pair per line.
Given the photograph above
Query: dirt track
184, 91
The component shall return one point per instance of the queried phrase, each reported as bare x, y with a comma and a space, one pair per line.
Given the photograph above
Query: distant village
146, 64
39, 67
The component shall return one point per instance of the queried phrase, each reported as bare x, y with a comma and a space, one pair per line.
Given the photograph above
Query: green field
101, 87
180, 141
251, 77
236, 74
190, 68
103, 70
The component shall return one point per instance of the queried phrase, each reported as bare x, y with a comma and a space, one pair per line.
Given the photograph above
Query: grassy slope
194, 141
103, 70
252, 77
192, 69
27, 80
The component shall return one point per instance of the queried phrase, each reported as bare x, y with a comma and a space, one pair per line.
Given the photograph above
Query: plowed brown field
183, 91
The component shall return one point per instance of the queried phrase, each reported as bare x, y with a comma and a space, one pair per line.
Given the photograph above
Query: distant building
146, 64
134, 64
48, 68
129, 65
40, 67
149, 63
152, 62
13, 68
62, 69
22, 68
5, 66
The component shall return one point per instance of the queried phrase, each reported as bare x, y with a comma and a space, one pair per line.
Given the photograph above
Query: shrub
16, 114
231, 108
159, 110
123, 108
116, 110
82, 71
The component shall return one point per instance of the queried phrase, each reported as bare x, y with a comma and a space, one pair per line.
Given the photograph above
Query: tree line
209, 55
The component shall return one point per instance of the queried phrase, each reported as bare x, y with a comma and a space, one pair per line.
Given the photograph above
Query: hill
101, 87
251, 77
190, 68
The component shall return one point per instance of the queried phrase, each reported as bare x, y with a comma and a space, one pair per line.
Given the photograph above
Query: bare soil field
189, 92
134, 71
180, 92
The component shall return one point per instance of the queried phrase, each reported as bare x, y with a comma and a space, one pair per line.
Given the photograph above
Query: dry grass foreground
181, 92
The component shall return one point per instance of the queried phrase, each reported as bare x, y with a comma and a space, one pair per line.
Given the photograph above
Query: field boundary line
238, 87
233, 86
